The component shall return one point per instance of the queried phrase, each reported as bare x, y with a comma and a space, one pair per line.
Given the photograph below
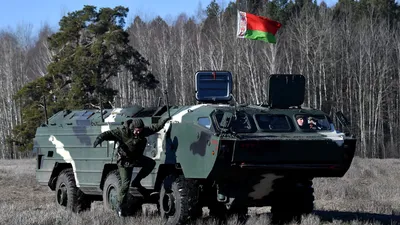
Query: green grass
368, 194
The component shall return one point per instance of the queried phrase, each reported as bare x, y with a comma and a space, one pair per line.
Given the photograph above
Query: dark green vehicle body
235, 151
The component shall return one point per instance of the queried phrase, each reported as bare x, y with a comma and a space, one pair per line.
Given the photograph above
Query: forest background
349, 54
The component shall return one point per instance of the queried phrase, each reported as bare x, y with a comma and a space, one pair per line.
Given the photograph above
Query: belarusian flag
256, 27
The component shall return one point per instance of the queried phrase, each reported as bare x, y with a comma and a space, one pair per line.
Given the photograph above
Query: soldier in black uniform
132, 142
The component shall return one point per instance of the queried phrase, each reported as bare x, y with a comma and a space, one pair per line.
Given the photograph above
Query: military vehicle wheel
179, 200
291, 200
68, 195
111, 188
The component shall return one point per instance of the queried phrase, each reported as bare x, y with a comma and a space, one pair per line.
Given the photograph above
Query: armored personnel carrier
217, 153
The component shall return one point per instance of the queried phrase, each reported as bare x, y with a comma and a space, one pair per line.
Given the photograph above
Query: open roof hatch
213, 86
286, 90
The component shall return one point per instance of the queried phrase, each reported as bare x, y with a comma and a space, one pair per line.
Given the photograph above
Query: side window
205, 122
271, 122
313, 122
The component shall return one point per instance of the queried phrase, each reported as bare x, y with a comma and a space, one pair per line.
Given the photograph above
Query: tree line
349, 54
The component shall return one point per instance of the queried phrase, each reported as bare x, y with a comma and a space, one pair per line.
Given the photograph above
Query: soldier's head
136, 126
300, 120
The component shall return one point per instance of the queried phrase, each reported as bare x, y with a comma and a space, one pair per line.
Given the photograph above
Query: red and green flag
256, 27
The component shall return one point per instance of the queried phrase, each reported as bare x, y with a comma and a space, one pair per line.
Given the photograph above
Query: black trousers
125, 173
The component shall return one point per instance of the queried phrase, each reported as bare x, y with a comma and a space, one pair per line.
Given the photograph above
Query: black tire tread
189, 201
77, 200
110, 177
133, 207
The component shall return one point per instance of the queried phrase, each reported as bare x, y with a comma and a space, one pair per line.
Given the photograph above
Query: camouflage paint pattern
195, 141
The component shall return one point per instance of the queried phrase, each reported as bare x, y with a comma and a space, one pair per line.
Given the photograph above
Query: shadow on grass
329, 216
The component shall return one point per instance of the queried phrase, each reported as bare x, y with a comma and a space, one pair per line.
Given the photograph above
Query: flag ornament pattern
255, 27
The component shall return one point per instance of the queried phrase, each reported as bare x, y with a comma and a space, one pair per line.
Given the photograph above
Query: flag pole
237, 68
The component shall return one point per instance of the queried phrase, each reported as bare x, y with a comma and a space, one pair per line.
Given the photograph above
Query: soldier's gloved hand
96, 142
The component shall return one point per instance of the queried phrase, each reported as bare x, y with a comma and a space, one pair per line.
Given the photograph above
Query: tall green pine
90, 48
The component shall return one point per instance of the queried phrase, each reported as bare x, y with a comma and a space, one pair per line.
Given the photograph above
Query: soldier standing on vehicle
132, 142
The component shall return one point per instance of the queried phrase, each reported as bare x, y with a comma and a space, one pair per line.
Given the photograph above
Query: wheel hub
62, 195
169, 204
112, 197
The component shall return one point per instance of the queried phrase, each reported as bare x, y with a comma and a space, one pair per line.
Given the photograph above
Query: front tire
68, 195
179, 200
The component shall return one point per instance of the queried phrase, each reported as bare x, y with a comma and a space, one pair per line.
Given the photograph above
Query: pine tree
89, 49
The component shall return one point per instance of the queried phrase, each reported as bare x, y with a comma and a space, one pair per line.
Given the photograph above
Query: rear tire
111, 189
70, 196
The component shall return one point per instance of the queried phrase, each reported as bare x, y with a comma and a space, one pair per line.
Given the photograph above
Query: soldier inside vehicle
308, 122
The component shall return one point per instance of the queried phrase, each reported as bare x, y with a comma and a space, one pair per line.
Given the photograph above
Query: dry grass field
368, 194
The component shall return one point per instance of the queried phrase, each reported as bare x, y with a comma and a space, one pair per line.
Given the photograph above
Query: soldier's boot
154, 196
147, 165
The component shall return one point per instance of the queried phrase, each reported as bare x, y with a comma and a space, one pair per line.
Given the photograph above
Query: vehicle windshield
242, 124
271, 122
313, 122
